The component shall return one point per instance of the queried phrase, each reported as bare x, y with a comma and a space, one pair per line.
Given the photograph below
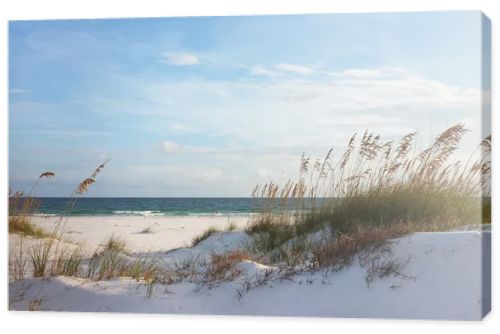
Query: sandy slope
441, 280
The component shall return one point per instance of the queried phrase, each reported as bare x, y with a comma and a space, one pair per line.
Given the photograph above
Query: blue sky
211, 106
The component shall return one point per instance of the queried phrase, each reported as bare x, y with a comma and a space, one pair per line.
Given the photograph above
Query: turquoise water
107, 206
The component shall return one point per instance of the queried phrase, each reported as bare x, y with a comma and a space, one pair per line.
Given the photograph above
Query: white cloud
295, 69
259, 70
360, 73
306, 111
281, 70
180, 59
170, 147
373, 73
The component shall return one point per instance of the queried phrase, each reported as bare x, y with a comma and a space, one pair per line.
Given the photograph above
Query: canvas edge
486, 131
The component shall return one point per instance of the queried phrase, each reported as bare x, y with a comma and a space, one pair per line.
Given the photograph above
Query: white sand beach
441, 278
141, 233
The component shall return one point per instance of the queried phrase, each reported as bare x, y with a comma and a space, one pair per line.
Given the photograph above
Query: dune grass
222, 268
68, 262
231, 227
21, 207
23, 226
205, 235
45, 252
48, 257
17, 263
115, 244
385, 189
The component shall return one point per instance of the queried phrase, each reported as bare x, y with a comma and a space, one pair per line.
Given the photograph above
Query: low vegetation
222, 267
68, 262
110, 262
114, 244
373, 192
205, 235
50, 256
21, 208
18, 262
231, 227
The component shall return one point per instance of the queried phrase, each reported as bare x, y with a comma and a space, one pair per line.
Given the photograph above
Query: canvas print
329, 165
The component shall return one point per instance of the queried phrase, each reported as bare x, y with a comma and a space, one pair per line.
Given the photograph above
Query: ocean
109, 206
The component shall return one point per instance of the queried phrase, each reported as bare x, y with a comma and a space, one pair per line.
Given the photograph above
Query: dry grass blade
47, 175
84, 185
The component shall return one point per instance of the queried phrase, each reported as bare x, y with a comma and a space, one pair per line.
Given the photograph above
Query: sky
211, 106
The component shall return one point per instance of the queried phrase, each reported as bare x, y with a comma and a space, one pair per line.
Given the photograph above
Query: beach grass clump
231, 227
40, 255
373, 191
49, 257
107, 261
184, 269
269, 236
205, 235
144, 268
385, 265
46, 250
297, 252
340, 251
21, 209
208, 271
68, 262
115, 244
23, 226
106, 265
17, 263
222, 267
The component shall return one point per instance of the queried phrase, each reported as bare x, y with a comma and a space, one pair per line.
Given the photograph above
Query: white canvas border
83, 323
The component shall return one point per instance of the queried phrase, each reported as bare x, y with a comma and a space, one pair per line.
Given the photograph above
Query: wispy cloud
306, 111
282, 69
372, 73
259, 70
180, 58
295, 69
170, 147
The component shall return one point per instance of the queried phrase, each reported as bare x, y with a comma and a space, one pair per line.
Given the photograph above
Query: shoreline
222, 215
